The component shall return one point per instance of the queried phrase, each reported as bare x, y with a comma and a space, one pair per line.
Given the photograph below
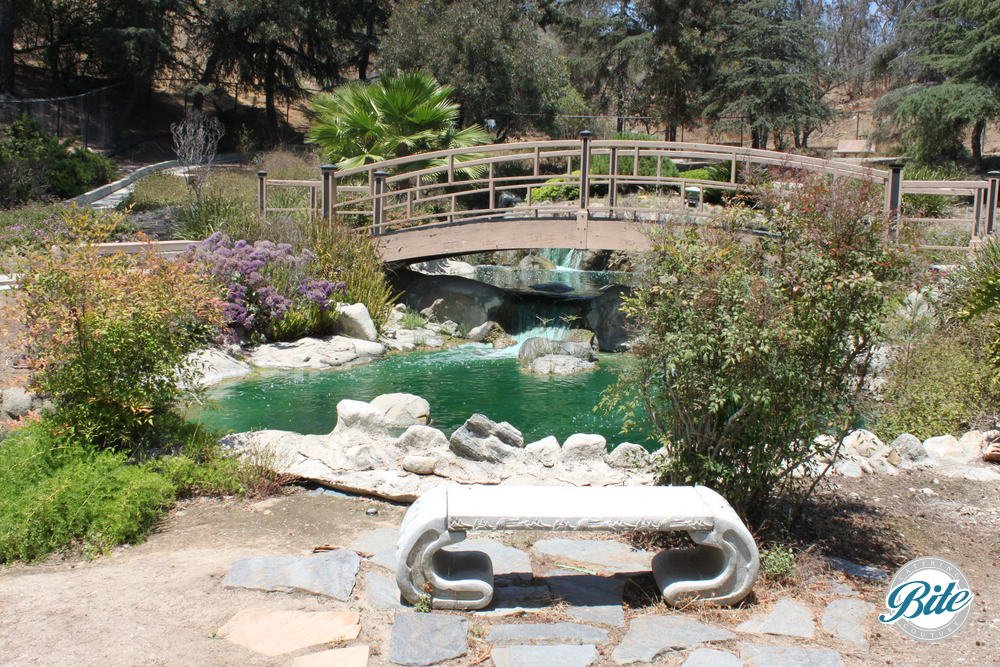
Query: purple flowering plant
270, 290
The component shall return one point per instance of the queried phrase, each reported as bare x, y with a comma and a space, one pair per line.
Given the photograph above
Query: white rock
863, 443
315, 353
419, 464
559, 364
584, 448
359, 416
402, 410
423, 439
847, 468
355, 321
972, 444
480, 333
545, 451
981, 475
945, 448
627, 455
215, 366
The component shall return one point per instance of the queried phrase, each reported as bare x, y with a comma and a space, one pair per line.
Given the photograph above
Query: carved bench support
722, 567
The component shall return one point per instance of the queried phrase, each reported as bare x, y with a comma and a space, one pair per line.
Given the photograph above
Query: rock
536, 347
759, 655
275, 632
483, 331
401, 410
585, 336
710, 657
482, 439
605, 556
382, 592
381, 543
354, 321
509, 563
15, 402
945, 448
445, 267
214, 366
561, 633
855, 570
981, 475
861, 442
651, 636
422, 439
360, 416
431, 313
584, 448
847, 468
565, 655
546, 451
509, 600
420, 465
446, 328
555, 288
332, 573
350, 656
628, 455
606, 319
910, 449
536, 262
846, 619
466, 302
427, 639
588, 598
315, 353
787, 617
972, 444
560, 364
991, 452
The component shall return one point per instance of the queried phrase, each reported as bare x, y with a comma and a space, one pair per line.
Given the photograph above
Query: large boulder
467, 302
628, 455
401, 410
606, 319
560, 364
482, 439
445, 267
911, 449
584, 448
354, 321
585, 336
15, 402
536, 262
422, 439
947, 449
214, 366
862, 443
545, 451
360, 417
536, 347
316, 353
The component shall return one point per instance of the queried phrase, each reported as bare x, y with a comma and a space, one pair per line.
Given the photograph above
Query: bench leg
721, 569
452, 579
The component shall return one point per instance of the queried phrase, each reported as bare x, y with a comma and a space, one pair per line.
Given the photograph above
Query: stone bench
721, 568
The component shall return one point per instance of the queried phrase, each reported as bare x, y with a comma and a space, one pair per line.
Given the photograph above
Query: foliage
749, 349
777, 561
937, 384
108, 337
412, 319
502, 67
36, 165
930, 206
392, 117
975, 296
560, 188
716, 172
933, 118
270, 289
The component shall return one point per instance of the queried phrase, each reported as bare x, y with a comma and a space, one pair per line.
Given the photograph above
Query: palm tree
392, 117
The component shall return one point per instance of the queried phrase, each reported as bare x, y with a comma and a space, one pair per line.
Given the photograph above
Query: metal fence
91, 117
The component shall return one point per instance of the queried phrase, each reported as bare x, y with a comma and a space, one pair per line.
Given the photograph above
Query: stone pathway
559, 605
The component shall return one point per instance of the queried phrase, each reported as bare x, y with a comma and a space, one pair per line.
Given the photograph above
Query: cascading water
568, 259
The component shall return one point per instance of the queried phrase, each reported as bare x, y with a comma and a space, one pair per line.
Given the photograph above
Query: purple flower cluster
263, 280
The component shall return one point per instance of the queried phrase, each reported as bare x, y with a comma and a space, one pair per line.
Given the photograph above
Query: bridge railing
598, 178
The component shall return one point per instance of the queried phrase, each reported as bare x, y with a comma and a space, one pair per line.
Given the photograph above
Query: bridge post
585, 168
329, 192
893, 198
612, 183
378, 202
261, 193
991, 200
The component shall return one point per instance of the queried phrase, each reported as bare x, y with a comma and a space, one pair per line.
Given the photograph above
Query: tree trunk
270, 89
365, 52
671, 133
207, 77
7, 17
978, 132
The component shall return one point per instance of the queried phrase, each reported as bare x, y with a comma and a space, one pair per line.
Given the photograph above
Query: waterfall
567, 259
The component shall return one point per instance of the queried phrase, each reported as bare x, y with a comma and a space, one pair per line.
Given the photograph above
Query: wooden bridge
487, 198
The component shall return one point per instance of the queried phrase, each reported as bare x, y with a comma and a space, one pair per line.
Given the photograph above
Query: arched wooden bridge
485, 198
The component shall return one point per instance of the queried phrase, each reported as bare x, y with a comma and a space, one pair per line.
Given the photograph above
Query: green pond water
457, 383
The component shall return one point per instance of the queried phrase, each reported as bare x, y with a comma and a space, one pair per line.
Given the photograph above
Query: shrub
716, 172
974, 296
216, 213
270, 289
34, 164
108, 337
412, 319
748, 349
929, 206
940, 384
562, 188
777, 561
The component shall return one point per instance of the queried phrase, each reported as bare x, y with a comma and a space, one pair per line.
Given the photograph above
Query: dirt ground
159, 603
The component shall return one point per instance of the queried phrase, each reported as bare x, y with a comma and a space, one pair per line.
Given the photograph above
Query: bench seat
721, 568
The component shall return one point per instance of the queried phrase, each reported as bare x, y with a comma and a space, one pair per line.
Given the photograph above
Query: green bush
974, 295
938, 385
217, 213
716, 172
562, 188
930, 206
412, 319
109, 336
34, 164
748, 349
777, 561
